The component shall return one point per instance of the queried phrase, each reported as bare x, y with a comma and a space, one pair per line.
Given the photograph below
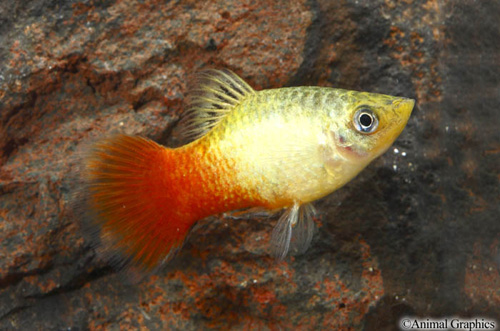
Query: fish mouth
402, 109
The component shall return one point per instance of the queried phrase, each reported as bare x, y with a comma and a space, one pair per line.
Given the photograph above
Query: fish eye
365, 121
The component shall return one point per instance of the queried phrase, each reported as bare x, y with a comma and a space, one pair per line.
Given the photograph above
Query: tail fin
128, 198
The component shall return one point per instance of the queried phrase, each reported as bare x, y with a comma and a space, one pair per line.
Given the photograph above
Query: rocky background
417, 233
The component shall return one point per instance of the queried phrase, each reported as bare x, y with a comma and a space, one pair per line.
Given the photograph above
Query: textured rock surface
417, 233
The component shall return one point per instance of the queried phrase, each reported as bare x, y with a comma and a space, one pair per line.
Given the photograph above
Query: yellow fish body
273, 149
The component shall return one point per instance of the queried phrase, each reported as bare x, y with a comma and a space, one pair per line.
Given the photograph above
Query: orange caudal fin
130, 201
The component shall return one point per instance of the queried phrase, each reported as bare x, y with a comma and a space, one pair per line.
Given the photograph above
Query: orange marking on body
147, 197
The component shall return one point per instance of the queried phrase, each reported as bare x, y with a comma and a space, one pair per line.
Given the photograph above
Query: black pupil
365, 120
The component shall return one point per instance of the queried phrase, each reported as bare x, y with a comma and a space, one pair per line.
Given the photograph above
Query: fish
274, 149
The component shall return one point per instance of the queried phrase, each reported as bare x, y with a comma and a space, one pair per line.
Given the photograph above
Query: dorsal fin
215, 94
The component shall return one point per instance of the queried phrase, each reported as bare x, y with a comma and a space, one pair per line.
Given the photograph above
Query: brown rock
400, 239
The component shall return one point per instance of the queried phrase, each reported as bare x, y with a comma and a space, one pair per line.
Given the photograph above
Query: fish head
368, 124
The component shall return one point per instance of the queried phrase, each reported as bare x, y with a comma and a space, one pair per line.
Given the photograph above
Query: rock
417, 233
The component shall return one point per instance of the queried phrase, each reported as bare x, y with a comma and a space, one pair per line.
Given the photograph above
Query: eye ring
365, 121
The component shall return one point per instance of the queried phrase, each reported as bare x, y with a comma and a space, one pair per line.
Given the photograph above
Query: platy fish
273, 149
